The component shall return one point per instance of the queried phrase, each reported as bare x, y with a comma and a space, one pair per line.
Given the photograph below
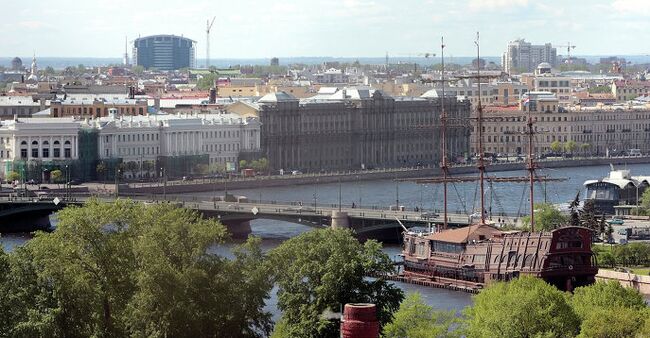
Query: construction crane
425, 55
208, 27
568, 47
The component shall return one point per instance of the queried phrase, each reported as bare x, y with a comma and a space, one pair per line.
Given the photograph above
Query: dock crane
208, 27
568, 47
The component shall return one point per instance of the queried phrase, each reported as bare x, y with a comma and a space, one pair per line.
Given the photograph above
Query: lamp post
117, 181
67, 182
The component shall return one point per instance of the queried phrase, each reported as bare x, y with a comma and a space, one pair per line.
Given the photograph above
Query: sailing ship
472, 257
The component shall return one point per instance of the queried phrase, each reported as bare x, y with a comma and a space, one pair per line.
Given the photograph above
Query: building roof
463, 235
163, 35
277, 97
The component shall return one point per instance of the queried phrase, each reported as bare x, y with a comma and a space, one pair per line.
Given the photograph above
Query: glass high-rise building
164, 52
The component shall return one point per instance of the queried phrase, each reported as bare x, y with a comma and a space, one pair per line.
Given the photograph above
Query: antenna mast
208, 27
479, 124
444, 166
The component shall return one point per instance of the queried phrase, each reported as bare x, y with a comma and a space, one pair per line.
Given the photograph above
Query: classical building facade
97, 107
358, 128
177, 143
189, 138
597, 130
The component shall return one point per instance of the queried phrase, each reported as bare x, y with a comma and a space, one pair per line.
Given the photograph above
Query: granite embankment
179, 187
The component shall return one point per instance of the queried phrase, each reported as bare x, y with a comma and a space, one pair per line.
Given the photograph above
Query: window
67, 151
57, 149
35, 149
46, 149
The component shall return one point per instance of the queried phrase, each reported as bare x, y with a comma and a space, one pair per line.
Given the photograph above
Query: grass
640, 271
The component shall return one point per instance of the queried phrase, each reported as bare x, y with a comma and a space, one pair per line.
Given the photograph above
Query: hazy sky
265, 28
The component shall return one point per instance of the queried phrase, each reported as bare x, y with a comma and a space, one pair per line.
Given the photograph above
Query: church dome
16, 63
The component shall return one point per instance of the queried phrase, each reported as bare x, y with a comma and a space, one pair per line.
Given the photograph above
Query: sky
338, 28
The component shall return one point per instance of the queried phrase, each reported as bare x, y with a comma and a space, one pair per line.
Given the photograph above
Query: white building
48, 142
146, 138
522, 56
37, 140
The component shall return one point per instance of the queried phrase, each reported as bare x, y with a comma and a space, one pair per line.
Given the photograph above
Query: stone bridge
380, 224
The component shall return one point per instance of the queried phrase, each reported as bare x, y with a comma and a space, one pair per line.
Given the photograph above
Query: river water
504, 197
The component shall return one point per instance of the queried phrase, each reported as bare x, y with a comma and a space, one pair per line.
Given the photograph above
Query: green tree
101, 170
207, 81
81, 69
243, 164
125, 269
524, 307
612, 322
570, 146
605, 295
13, 176
415, 319
323, 269
556, 146
584, 147
547, 218
132, 167
645, 201
147, 167
184, 290
137, 70
56, 176
599, 89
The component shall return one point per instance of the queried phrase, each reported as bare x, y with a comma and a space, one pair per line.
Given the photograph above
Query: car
74, 182
296, 172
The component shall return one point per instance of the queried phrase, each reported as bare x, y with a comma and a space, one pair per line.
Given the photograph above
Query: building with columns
185, 139
177, 143
355, 128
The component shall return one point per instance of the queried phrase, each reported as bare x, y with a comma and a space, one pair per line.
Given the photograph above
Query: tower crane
425, 55
568, 47
208, 27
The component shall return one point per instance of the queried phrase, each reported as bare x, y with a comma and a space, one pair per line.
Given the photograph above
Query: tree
137, 70
415, 319
125, 269
570, 146
556, 146
584, 147
147, 167
132, 167
599, 89
645, 200
547, 217
524, 307
56, 176
101, 170
207, 81
184, 290
605, 295
243, 164
13, 176
81, 69
612, 322
323, 269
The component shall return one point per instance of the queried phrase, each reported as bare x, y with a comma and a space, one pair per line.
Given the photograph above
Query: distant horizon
61, 62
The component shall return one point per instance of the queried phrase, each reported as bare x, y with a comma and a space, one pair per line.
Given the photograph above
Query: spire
34, 71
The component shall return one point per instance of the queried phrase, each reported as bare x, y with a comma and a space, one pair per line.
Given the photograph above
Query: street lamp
117, 181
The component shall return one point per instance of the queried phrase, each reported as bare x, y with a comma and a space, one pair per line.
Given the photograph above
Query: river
504, 197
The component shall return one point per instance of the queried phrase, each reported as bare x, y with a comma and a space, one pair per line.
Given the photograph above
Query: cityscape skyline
255, 29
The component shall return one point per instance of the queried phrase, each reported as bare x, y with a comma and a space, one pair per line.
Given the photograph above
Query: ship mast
481, 164
444, 165
531, 171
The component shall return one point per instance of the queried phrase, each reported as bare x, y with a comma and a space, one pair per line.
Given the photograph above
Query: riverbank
180, 187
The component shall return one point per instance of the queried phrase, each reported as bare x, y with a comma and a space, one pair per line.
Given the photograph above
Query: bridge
373, 223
